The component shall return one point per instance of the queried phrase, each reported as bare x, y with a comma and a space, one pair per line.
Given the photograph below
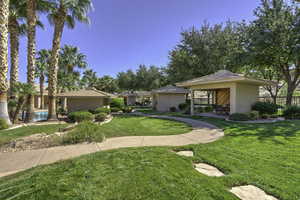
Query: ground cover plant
9, 135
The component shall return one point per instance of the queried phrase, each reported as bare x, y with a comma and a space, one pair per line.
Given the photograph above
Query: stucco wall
131, 100
246, 95
165, 101
76, 104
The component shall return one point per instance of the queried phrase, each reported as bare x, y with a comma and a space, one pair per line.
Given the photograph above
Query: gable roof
171, 89
85, 93
222, 76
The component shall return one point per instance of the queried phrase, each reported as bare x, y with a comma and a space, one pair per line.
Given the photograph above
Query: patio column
192, 102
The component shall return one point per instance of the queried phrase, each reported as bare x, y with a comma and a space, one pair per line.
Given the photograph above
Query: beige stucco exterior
85, 103
163, 102
242, 95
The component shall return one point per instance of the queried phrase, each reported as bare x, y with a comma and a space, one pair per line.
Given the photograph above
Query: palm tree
32, 7
66, 12
4, 14
16, 13
42, 65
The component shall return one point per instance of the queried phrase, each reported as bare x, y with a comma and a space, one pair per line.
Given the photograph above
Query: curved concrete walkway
202, 132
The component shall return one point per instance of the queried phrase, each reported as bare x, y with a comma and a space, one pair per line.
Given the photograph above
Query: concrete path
14, 162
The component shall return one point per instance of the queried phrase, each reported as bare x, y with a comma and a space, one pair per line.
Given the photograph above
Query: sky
126, 33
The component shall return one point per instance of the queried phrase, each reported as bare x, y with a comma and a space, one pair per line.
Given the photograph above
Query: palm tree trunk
53, 70
4, 13
31, 50
14, 54
42, 80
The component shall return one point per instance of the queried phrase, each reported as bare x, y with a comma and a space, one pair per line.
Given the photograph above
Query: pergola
234, 93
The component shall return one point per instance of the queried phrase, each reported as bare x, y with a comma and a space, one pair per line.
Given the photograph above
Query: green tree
107, 84
89, 79
127, 80
206, 50
274, 40
65, 12
4, 14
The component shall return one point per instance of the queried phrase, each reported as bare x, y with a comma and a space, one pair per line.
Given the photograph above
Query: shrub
100, 117
80, 116
253, 115
265, 107
208, 109
183, 106
84, 132
115, 109
117, 102
102, 110
292, 112
127, 109
61, 111
3, 124
200, 110
239, 117
173, 109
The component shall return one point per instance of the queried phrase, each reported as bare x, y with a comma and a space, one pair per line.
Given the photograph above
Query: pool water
40, 116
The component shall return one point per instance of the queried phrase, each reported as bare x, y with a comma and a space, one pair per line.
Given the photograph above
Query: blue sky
126, 33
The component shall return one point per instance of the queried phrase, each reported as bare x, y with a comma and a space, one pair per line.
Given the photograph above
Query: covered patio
227, 92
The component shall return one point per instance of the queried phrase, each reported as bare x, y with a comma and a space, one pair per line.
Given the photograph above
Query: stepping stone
185, 153
251, 192
208, 170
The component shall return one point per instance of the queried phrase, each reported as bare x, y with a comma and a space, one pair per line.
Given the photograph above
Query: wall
246, 96
83, 103
165, 101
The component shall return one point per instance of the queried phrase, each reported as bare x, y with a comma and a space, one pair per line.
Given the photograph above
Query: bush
183, 106
100, 117
80, 116
265, 108
208, 109
3, 124
117, 103
292, 112
253, 115
239, 117
173, 109
127, 109
84, 132
102, 110
115, 109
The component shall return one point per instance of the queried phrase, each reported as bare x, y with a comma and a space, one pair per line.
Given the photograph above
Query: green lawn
265, 155
142, 126
8, 135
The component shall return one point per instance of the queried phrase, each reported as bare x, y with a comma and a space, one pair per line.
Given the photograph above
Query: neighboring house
87, 99
232, 91
132, 98
166, 97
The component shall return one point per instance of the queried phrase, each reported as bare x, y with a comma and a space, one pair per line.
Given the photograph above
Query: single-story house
232, 91
86, 99
132, 98
169, 96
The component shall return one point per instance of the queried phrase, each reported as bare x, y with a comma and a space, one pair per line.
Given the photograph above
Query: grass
265, 155
142, 126
9, 135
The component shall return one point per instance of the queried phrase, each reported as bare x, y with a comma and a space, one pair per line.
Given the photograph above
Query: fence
281, 100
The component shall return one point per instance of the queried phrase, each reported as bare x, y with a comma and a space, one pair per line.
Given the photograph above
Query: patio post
192, 102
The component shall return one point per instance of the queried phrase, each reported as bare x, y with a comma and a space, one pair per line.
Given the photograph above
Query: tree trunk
18, 109
4, 13
53, 70
31, 51
42, 80
290, 91
14, 55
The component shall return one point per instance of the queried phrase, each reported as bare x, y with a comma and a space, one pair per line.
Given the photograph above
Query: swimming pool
40, 116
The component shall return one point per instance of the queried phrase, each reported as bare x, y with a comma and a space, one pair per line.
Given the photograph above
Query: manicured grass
265, 155
142, 126
8, 135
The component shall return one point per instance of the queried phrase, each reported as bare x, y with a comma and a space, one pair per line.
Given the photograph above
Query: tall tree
274, 38
65, 12
42, 65
4, 14
205, 51
17, 13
